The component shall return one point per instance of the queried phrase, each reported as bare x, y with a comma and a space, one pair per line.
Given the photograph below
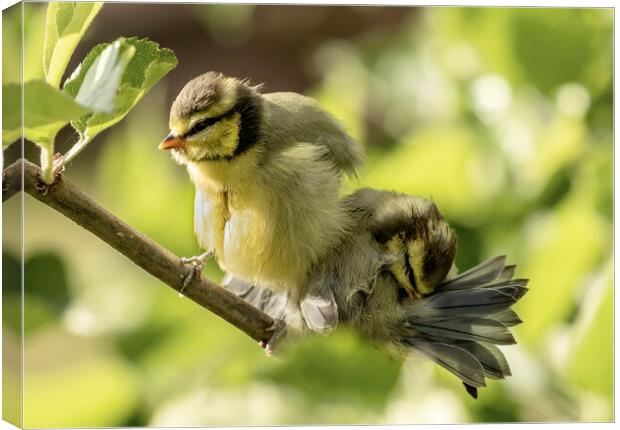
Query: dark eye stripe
199, 126
207, 122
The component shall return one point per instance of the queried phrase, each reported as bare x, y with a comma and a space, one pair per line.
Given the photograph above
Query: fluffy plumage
267, 170
457, 325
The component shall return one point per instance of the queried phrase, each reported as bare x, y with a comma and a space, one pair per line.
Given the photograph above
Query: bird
394, 281
267, 170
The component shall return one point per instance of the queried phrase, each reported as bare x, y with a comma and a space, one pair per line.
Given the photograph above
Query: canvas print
258, 215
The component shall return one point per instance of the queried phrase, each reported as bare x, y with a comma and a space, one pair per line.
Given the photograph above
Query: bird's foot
279, 330
196, 264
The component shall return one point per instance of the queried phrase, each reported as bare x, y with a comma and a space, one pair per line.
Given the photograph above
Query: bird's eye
199, 126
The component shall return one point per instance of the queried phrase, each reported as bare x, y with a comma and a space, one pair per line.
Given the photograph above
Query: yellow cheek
224, 136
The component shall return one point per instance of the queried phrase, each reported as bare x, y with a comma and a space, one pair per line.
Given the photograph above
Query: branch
67, 199
12, 179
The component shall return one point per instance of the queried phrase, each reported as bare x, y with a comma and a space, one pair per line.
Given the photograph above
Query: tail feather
464, 319
493, 362
508, 317
507, 273
457, 360
481, 274
514, 291
476, 329
475, 302
498, 284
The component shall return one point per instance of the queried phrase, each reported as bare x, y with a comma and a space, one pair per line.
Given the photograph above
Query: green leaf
65, 25
35, 15
98, 90
12, 44
148, 65
11, 113
46, 111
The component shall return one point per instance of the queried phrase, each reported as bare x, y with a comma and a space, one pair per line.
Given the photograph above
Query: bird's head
432, 248
413, 228
214, 117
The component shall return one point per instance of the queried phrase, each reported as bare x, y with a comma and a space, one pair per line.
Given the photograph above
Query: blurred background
502, 115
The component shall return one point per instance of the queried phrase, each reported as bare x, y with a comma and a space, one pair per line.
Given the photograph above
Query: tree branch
12, 179
67, 199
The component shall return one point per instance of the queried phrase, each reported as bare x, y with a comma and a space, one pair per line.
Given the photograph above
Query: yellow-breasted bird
267, 170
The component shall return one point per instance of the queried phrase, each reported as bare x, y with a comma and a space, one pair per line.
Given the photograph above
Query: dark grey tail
460, 324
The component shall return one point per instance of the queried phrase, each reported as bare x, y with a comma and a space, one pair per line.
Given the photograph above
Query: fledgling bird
267, 170
393, 280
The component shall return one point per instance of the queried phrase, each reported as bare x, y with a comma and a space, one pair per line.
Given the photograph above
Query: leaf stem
47, 165
75, 149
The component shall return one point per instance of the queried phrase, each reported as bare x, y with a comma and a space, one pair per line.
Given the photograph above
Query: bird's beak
171, 141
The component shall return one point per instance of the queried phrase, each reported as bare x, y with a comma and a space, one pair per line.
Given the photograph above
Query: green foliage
146, 65
34, 41
11, 44
46, 295
325, 370
46, 111
11, 291
591, 364
98, 89
107, 398
47, 279
100, 92
11, 113
65, 25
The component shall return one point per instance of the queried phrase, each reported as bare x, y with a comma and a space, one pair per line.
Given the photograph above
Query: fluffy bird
267, 170
393, 280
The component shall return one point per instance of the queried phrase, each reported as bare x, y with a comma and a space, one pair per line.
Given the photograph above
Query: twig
67, 199
74, 150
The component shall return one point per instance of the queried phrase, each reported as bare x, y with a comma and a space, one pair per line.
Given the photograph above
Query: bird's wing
297, 118
272, 303
318, 308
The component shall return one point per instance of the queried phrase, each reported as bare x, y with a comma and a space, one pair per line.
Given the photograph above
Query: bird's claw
194, 268
196, 264
196, 259
279, 329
